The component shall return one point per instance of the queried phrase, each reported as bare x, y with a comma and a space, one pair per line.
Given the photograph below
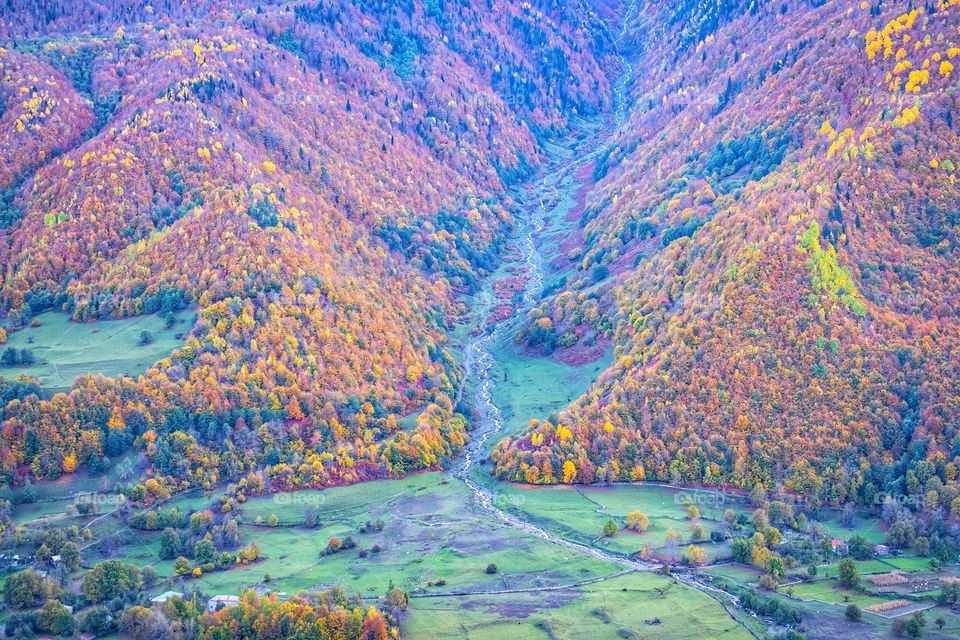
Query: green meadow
64, 350
36, 504
579, 512
636, 605
870, 528
527, 387
434, 544
830, 592
429, 543
909, 563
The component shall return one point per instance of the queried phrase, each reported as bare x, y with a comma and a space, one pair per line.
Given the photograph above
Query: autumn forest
452, 280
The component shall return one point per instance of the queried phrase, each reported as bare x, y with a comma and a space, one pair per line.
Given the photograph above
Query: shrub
853, 613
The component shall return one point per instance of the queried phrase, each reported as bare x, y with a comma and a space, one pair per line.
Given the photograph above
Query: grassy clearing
870, 528
53, 499
655, 499
909, 563
951, 628
742, 574
828, 591
351, 504
617, 608
26, 514
427, 536
579, 513
65, 350
863, 566
527, 387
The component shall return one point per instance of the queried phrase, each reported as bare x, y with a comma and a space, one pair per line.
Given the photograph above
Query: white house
216, 603
165, 596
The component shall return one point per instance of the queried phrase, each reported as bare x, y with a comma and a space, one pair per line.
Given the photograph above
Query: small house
165, 596
216, 603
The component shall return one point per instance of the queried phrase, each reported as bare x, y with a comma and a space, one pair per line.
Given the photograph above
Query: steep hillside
772, 247
321, 181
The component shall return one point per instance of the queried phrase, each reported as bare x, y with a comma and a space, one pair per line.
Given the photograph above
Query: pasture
527, 387
64, 350
579, 513
635, 605
870, 528
830, 592
429, 543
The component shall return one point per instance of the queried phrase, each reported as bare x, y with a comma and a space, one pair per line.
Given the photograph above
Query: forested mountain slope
772, 248
322, 181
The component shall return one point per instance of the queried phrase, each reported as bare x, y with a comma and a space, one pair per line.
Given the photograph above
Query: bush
398, 599
781, 612
149, 576
853, 613
610, 528
181, 566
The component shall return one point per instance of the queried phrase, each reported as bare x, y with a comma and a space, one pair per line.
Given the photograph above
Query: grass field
618, 608
579, 513
54, 498
432, 535
870, 528
742, 574
863, 566
908, 563
829, 592
428, 535
64, 350
951, 628
528, 387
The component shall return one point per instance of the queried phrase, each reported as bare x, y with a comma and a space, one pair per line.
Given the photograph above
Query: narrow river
480, 359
